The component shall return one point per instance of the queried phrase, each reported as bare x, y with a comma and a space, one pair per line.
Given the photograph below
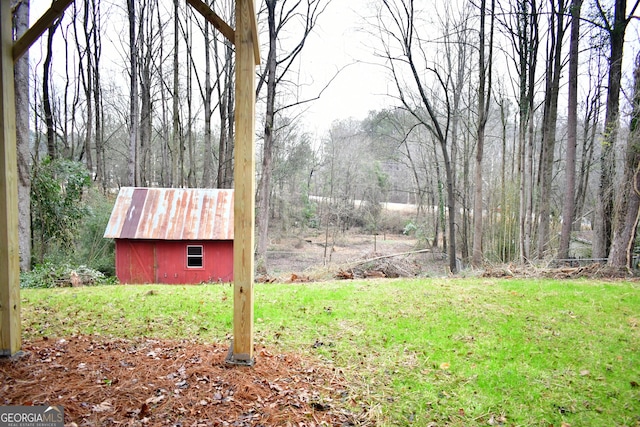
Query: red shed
170, 235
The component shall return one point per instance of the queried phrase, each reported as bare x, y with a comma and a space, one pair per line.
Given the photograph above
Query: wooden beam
244, 197
10, 338
57, 8
214, 19
254, 33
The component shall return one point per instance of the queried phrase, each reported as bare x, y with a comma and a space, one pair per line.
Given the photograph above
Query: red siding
151, 261
135, 261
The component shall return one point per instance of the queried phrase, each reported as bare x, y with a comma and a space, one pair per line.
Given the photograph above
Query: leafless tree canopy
509, 130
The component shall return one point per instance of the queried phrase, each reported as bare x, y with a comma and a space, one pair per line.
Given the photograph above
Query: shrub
50, 275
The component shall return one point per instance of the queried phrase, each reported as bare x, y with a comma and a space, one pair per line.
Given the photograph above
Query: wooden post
244, 176
10, 339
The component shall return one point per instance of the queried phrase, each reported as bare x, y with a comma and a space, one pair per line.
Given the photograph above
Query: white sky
338, 42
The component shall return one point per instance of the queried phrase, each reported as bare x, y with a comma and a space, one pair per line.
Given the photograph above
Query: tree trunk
572, 125
133, 97
629, 204
146, 173
21, 77
465, 248
550, 120
264, 185
177, 143
97, 97
88, 28
46, 95
277, 20
225, 95
525, 43
484, 100
208, 166
604, 204
505, 215
229, 147
591, 120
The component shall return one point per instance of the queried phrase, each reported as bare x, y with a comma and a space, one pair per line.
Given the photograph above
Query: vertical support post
244, 177
10, 339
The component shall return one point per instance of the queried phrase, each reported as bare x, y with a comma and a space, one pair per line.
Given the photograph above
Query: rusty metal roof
172, 214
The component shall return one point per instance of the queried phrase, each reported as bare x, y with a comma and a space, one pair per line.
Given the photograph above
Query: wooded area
526, 111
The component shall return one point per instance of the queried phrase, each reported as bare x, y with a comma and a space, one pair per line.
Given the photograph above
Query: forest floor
145, 382
351, 255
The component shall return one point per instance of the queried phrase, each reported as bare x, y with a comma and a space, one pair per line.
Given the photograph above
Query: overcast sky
340, 42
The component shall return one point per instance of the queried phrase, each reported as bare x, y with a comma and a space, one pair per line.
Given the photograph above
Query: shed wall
156, 261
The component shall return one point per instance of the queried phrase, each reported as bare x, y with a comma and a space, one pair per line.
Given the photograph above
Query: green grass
459, 352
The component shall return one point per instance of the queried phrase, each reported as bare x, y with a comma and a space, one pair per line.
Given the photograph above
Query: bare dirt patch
177, 383
359, 255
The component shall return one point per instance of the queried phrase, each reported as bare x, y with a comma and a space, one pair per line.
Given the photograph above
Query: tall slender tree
572, 130
134, 118
281, 14
605, 202
554, 64
224, 70
484, 101
399, 25
628, 206
47, 101
208, 166
521, 26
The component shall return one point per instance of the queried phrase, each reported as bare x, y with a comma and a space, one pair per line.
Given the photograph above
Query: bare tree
281, 15
148, 55
46, 92
224, 70
484, 101
134, 118
628, 207
521, 24
553, 71
457, 50
178, 136
208, 166
604, 206
217, 79
399, 26
96, 41
591, 124
165, 92
89, 49
572, 125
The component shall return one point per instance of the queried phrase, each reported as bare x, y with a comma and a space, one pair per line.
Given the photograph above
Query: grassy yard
459, 352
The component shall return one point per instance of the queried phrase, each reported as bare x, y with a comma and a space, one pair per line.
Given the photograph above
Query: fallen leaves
153, 382
106, 406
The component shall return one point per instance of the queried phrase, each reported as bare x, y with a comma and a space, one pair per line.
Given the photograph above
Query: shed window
194, 256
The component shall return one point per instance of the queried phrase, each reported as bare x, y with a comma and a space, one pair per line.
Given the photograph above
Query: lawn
459, 352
